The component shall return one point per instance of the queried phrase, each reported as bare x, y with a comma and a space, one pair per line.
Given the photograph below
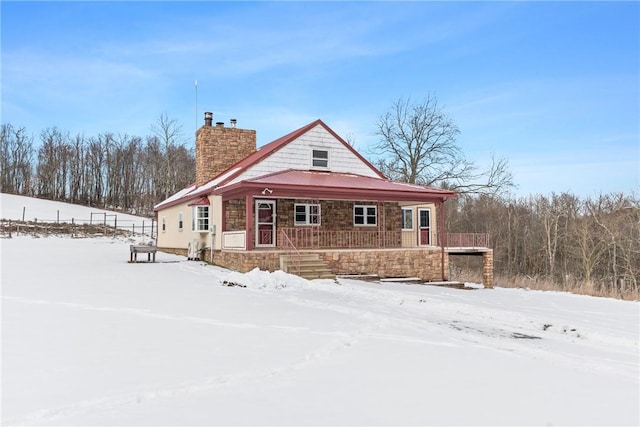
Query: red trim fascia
265, 151
244, 188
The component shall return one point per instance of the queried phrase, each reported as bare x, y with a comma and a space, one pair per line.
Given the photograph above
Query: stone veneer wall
487, 269
235, 215
219, 147
422, 263
338, 214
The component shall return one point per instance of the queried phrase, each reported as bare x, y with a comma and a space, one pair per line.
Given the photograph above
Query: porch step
310, 266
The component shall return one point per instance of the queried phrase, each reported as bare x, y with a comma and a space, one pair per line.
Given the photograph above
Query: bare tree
16, 154
418, 145
169, 134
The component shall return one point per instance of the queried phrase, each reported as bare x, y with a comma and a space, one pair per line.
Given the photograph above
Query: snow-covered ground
15, 207
89, 339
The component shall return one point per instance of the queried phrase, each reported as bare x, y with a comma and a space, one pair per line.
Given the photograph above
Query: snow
90, 339
14, 207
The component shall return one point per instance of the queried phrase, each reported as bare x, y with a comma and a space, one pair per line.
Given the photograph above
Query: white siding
297, 155
173, 237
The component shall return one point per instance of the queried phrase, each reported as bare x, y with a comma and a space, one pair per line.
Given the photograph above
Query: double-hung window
407, 218
320, 158
180, 222
307, 214
200, 218
364, 215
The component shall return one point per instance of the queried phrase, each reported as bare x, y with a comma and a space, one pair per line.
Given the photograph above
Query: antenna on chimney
196, 106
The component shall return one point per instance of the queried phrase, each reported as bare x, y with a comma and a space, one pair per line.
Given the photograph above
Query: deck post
487, 269
443, 242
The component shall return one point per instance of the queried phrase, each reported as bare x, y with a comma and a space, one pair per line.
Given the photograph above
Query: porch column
443, 243
487, 269
248, 226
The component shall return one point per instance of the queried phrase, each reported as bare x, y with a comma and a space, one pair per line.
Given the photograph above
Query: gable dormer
314, 147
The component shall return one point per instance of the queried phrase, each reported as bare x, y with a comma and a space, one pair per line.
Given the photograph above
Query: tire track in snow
342, 342
111, 403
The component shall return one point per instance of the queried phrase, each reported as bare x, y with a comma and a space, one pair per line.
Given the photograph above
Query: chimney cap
233, 122
220, 124
208, 118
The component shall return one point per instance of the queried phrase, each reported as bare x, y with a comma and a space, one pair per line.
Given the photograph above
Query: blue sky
554, 87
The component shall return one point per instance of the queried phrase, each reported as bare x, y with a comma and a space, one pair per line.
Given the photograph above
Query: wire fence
98, 224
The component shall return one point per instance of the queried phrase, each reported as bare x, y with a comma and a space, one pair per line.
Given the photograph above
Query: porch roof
331, 185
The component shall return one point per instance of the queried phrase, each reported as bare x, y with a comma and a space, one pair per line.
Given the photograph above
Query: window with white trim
180, 222
407, 218
365, 215
200, 218
320, 158
306, 214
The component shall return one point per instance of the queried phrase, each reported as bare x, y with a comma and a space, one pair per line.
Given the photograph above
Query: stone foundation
487, 269
422, 263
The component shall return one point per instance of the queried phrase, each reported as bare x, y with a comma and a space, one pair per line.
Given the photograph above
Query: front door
424, 227
265, 223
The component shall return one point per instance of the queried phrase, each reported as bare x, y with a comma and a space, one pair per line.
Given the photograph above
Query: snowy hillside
89, 339
15, 207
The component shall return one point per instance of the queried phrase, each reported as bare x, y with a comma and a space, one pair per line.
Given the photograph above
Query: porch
380, 253
304, 238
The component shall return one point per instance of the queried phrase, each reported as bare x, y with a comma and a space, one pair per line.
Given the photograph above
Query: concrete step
309, 266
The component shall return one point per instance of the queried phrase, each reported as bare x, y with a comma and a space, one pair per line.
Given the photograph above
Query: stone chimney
219, 147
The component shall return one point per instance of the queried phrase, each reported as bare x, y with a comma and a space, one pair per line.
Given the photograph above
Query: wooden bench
142, 249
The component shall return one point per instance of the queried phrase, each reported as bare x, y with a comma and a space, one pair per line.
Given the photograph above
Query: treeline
561, 241
122, 172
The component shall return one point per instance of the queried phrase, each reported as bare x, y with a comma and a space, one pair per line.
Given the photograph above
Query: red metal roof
332, 185
275, 145
307, 183
202, 201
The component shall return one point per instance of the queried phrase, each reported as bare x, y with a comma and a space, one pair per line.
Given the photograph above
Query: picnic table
142, 249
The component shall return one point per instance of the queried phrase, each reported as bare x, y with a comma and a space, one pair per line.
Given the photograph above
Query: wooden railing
306, 238
316, 238
467, 240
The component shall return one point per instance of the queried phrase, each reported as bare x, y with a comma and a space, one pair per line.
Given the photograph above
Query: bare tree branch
418, 145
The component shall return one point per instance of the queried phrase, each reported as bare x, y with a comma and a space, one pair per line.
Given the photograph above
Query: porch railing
307, 238
315, 238
288, 246
467, 240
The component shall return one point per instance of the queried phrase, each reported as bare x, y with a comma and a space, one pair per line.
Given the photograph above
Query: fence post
23, 210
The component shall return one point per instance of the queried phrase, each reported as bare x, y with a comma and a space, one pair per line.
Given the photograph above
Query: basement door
265, 223
424, 227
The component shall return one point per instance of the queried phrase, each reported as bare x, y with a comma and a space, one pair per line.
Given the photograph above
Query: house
305, 199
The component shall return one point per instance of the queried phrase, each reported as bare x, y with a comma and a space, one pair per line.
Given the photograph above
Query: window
364, 215
407, 219
307, 214
200, 218
180, 222
164, 224
320, 159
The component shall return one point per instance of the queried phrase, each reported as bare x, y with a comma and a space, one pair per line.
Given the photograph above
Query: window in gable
307, 214
320, 158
